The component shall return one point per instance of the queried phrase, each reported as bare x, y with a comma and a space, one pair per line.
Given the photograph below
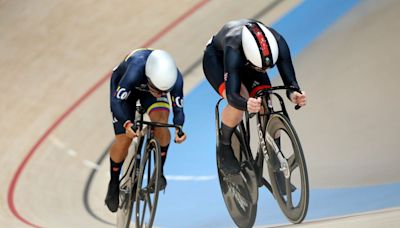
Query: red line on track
59, 120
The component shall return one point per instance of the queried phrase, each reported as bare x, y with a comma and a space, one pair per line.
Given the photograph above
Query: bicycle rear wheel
148, 185
290, 187
240, 192
127, 188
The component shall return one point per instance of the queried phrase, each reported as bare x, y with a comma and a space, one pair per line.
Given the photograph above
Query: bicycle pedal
124, 190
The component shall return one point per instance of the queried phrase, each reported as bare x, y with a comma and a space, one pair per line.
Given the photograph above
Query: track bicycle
140, 185
279, 163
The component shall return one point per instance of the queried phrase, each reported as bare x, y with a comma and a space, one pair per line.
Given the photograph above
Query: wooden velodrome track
54, 62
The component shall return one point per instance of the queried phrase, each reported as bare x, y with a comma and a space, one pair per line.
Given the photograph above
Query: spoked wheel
148, 185
240, 192
289, 184
126, 197
127, 191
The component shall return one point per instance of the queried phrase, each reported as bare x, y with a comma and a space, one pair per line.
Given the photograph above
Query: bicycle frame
140, 140
268, 139
149, 133
150, 168
262, 120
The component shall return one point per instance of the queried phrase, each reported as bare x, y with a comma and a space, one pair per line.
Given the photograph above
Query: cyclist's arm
285, 64
177, 101
119, 98
233, 60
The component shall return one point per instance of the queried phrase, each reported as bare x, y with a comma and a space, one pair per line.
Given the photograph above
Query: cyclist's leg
161, 134
118, 153
118, 150
213, 68
158, 111
231, 117
120, 146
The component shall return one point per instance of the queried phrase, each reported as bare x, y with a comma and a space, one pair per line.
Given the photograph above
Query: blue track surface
199, 203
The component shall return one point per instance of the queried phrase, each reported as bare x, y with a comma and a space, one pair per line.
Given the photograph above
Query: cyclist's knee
122, 142
231, 116
162, 134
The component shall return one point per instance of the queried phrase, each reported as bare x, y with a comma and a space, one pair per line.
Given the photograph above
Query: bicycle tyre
148, 185
124, 213
295, 213
241, 193
124, 217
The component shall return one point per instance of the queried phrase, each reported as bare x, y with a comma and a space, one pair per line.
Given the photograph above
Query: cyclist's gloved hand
179, 139
253, 104
129, 131
298, 98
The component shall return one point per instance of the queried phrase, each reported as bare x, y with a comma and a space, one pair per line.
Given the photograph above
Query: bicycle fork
284, 166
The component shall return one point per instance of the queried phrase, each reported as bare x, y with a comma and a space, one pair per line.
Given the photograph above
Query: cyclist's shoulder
139, 54
135, 62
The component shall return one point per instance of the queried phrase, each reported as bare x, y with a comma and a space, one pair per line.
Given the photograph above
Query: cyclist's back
230, 35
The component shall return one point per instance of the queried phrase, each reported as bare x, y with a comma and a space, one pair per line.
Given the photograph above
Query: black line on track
189, 70
88, 185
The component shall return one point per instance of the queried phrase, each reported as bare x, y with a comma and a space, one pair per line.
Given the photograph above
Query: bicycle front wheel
127, 188
148, 185
289, 184
240, 192
126, 196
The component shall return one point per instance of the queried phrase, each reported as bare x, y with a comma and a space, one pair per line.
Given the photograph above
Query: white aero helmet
259, 45
161, 70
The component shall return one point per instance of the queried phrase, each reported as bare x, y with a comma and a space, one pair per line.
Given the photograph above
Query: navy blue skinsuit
125, 90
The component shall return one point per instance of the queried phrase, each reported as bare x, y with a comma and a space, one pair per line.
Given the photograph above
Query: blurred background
55, 62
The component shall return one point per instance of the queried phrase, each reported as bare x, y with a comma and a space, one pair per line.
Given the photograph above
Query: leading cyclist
235, 63
146, 75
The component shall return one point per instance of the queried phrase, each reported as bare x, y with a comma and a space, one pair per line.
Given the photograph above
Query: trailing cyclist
146, 75
235, 62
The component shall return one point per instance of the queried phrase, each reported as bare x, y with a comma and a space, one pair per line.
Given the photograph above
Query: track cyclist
235, 63
146, 75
